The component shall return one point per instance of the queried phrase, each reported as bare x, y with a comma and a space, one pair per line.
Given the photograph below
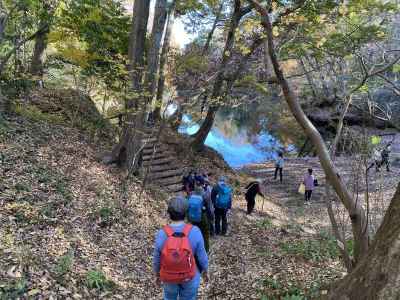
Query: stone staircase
160, 166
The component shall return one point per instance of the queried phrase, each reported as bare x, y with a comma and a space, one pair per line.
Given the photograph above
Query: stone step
162, 168
174, 188
157, 155
165, 174
149, 140
159, 148
156, 162
169, 181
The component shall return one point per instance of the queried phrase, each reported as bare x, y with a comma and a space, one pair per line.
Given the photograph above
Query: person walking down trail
221, 196
197, 213
309, 183
179, 256
385, 157
252, 189
209, 205
188, 182
279, 166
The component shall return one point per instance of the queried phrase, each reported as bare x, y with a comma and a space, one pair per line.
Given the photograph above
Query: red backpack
177, 260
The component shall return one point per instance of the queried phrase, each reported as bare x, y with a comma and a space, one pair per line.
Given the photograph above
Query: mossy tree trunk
153, 56
127, 152
377, 275
164, 60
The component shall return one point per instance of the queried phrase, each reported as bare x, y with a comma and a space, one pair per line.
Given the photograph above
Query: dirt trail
58, 199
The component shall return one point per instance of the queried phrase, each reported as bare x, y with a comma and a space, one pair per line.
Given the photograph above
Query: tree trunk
377, 276
36, 67
201, 135
18, 44
163, 61
160, 17
127, 152
3, 21
211, 33
356, 212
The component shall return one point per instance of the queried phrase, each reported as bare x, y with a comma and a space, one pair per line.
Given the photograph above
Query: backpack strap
187, 229
168, 230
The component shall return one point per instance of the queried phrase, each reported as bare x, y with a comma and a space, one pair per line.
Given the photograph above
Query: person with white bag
309, 185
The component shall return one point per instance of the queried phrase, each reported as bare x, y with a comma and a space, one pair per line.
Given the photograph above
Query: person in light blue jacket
185, 291
279, 162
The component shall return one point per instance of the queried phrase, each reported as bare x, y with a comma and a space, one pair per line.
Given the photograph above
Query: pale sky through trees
180, 36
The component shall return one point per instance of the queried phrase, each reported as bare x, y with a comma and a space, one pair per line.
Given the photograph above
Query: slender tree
214, 26
356, 211
153, 57
164, 60
128, 150
201, 135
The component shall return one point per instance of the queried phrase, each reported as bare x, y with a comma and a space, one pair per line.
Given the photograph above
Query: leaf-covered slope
61, 216
66, 232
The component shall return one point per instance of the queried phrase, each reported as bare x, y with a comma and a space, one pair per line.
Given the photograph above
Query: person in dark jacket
252, 189
188, 182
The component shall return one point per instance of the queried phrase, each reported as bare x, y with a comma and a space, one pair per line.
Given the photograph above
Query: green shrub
314, 250
14, 289
35, 114
278, 291
22, 187
95, 279
62, 188
106, 215
272, 283
265, 224
20, 217
49, 210
64, 264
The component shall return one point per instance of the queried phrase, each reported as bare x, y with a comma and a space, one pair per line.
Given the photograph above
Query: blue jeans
185, 291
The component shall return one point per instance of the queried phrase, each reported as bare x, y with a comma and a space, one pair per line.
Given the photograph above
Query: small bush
20, 217
22, 187
35, 114
265, 224
106, 215
62, 188
272, 283
279, 291
314, 250
95, 279
14, 289
64, 264
49, 210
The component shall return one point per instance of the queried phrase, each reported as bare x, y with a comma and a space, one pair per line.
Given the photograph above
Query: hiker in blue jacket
187, 290
221, 196
197, 212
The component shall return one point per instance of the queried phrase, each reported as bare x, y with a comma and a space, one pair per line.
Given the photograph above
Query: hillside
66, 232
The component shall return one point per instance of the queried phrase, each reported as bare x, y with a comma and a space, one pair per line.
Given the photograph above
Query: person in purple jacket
309, 184
177, 207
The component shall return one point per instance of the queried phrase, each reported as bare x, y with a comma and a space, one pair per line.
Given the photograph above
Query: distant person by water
279, 163
309, 183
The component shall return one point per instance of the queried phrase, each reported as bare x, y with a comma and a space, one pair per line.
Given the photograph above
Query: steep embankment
66, 231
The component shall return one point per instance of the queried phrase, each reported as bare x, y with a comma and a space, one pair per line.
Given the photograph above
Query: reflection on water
236, 141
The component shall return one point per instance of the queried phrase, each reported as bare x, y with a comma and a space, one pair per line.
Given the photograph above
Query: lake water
240, 142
